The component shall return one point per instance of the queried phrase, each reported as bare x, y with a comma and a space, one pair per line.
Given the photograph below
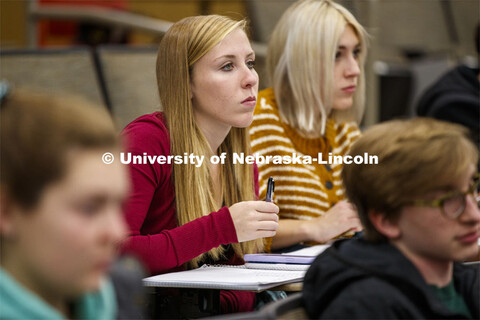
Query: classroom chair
290, 308
286, 309
129, 75
62, 70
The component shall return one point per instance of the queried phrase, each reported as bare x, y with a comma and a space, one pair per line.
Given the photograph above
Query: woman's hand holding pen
254, 219
341, 218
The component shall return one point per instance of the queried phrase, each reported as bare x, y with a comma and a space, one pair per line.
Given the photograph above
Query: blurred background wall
412, 41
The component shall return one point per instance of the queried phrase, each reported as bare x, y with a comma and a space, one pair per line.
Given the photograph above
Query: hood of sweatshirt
347, 261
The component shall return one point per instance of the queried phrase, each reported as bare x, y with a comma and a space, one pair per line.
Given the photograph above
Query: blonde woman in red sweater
185, 214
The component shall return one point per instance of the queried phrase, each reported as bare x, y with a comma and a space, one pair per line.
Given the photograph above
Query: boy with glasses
419, 209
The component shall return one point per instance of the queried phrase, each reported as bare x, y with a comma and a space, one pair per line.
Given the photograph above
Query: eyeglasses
453, 203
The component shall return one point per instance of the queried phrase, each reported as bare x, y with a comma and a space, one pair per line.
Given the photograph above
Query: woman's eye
251, 64
337, 55
356, 53
227, 67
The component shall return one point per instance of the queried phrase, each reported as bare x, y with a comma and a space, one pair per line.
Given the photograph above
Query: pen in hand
270, 189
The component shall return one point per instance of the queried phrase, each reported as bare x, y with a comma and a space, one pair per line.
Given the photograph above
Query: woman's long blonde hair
300, 64
185, 43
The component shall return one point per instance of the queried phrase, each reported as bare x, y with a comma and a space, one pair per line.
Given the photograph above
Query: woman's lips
250, 101
350, 89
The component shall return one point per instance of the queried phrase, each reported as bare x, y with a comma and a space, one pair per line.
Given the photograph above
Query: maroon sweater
155, 236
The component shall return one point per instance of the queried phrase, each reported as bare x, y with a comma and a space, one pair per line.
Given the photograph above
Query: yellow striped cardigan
302, 191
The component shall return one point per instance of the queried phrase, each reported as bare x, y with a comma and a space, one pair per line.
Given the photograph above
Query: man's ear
387, 227
6, 215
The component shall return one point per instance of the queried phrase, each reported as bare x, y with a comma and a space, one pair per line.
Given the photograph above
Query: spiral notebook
225, 277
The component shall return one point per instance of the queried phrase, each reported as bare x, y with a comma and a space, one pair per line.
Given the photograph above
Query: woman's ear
385, 225
190, 90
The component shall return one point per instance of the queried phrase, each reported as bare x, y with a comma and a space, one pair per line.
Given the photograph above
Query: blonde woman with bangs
315, 62
186, 214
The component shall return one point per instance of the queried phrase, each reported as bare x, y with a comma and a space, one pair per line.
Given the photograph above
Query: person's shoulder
266, 102
266, 117
344, 133
467, 283
101, 304
468, 73
126, 275
152, 122
370, 298
467, 278
461, 79
358, 279
470, 269
149, 129
346, 127
456, 85
267, 93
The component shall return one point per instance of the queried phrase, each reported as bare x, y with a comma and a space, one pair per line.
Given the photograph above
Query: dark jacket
354, 279
455, 97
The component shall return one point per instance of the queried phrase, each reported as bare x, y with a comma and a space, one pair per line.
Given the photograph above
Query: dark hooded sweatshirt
455, 97
355, 279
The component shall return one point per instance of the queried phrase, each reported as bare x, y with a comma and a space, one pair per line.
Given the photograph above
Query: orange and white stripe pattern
302, 191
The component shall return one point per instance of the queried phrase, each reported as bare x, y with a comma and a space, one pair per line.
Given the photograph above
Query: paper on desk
310, 251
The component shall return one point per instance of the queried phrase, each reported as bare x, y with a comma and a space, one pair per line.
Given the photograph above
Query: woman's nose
352, 69
250, 77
